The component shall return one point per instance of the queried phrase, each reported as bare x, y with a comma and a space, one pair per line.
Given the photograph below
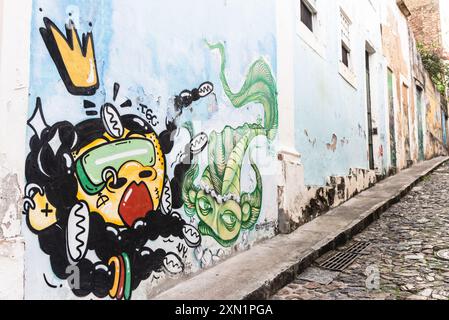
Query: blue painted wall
327, 105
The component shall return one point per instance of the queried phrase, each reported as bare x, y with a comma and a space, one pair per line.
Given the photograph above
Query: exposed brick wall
425, 21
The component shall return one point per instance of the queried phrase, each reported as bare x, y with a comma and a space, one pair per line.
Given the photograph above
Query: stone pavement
401, 262
267, 267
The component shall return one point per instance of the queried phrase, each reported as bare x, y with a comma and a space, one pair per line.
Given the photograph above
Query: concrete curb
299, 250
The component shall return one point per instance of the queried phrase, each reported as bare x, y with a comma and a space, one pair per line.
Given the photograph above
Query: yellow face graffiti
121, 179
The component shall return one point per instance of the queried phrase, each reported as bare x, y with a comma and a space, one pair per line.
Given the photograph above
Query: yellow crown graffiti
74, 59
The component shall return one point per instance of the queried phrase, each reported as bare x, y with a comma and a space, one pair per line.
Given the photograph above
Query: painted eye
149, 173
118, 184
229, 219
205, 206
146, 174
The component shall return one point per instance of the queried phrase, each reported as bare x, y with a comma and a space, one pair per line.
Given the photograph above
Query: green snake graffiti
218, 202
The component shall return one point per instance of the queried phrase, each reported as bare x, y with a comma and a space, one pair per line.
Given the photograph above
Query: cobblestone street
401, 261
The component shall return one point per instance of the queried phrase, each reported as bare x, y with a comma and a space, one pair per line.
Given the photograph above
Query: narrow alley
407, 256
228, 150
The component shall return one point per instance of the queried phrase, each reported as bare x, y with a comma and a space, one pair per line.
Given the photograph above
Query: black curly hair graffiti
119, 258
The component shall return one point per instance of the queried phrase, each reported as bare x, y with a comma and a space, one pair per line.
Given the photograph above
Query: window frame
345, 27
346, 70
312, 38
345, 53
305, 4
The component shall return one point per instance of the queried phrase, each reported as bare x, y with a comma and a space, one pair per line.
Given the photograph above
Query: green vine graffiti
218, 202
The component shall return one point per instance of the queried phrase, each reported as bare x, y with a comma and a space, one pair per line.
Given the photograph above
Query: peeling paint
339, 189
381, 151
344, 141
311, 141
333, 145
10, 202
411, 132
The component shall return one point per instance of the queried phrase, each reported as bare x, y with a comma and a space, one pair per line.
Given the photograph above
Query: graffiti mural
222, 208
74, 58
101, 185
133, 178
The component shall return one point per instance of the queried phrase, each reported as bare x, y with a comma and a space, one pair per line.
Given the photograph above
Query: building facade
142, 151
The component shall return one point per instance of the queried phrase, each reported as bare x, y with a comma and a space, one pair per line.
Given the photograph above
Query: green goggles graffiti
92, 166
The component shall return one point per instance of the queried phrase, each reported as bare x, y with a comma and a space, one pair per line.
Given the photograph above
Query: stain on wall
332, 146
395, 35
417, 126
433, 117
10, 203
338, 190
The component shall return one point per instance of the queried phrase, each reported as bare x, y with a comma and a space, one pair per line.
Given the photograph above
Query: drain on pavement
341, 260
358, 247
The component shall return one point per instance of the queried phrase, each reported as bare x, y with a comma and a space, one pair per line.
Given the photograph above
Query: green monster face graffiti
218, 202
219, 219
223, 210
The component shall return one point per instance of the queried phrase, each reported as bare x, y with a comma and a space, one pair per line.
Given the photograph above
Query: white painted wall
14, 61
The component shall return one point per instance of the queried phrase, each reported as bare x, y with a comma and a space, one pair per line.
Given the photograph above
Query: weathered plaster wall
409, 74
318, 200
434, 145
331, 117
331, 122
290, 168
132, 172
14, 62
395, 38
331, 131
426, 25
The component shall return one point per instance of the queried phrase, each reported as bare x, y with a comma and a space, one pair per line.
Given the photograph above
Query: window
345, 39
345, 65
307, 15
344, 54
308, 25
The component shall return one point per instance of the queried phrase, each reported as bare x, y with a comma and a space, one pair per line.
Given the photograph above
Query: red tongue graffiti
135, 204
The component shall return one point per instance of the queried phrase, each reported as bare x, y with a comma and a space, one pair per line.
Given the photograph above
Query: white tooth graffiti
166, 198
191, 236
77, 232
111, 121
205, 89
199, 143
173, 263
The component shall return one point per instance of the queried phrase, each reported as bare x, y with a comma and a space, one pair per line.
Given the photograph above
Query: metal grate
358, 247
341, 260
